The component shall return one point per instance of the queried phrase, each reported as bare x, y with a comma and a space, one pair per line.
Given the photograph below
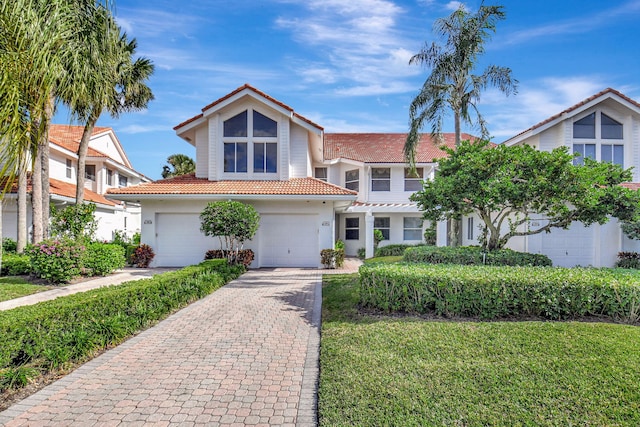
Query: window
412, 228
109, 177
609, 128
383, 224
321, 174
413, 182
122, 180
235, 156
584, 150
352, 180
69, 168
470, 228
250, 133
90, 172
612, 153
585, 127
380, 179
265, 157
352, 229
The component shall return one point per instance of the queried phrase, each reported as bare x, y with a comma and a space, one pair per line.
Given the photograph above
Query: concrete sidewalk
124, 275
245, 355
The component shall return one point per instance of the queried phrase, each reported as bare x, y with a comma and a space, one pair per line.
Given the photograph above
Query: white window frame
69, 168
122, 178
90, 176
385, 181
411, 181
351, 228
319, 172
470, 228
353, 184
386, 229
595, 146
406, 229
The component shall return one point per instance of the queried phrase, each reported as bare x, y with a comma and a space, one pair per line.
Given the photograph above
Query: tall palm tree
451, 84
181, 163
113, 80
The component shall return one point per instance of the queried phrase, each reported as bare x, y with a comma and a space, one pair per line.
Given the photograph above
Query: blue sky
344, 63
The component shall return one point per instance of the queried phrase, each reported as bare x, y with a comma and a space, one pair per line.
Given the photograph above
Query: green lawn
15, 287
413, 372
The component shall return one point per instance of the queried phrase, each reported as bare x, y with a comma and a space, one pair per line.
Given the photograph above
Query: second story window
122, 181
250, 133
610, 128
109, 177
413, 182
585, 127
265, 157
584, 150
235, 156
352, 180
90, 172
612, 153
69, 168
380, 179
602, 131
321, 174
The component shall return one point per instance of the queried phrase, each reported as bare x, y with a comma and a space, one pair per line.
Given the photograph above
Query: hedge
52, 334
393, 250
473, 255
15, 265
500, 292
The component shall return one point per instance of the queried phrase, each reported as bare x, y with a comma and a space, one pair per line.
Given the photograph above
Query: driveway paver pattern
245, 355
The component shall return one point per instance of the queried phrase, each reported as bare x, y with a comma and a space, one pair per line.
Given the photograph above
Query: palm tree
451, 84
181, 163
113, 81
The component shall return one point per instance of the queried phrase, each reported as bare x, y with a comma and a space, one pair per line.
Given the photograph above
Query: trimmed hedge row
51, 334
500, 292
15, 265
393, 250
473, 255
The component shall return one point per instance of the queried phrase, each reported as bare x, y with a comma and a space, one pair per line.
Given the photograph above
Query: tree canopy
452, 86
505, 185
178, 164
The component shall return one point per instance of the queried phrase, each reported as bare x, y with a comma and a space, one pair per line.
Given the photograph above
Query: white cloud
135, 129
455, 5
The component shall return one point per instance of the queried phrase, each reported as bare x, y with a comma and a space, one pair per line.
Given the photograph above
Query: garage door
179, 240
566, 248
289, 241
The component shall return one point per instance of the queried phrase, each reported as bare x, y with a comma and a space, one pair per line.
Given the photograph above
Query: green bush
15, 265
393, 250
9, 245
101, 259
362, 253
628, 260
54, 333
499, 292
56, 261
473, 255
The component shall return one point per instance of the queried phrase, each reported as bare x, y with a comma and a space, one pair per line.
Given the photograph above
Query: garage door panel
289, 240
566, 248
179, 240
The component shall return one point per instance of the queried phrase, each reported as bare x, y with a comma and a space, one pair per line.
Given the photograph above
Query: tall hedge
473, 255
501, 292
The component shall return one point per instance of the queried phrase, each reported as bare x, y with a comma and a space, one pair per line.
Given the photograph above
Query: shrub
332, 258
54, 333
56, 261
103, 258
142, 256
628, 260
76, 222
362, 253
498, 292
473, 255
392, 250
244, 256
15, 265
9, 245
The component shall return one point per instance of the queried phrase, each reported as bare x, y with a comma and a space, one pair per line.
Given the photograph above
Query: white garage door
179, 240
566, 248
289, 241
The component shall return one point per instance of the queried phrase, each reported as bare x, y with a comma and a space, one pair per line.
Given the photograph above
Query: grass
408, 371
16, 287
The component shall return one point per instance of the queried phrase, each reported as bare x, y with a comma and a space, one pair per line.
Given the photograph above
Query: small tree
505, 185
77, 222
232, 222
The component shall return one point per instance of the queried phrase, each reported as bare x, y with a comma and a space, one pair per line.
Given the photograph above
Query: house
309, 187
604, 127
107, 166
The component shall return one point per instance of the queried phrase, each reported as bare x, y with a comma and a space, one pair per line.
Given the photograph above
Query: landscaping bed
380, 370
42, 339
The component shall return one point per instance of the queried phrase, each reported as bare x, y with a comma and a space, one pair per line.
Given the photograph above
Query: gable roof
604, 94
248, 88
190, 185
69, 136
68, 191
384, 147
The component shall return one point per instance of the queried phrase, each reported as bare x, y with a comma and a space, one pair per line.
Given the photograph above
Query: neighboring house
604, 127
107, 166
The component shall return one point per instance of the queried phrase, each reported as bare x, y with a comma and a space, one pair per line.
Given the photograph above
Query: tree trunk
22, 209
44, 164
82, 156
36, 197
458, 134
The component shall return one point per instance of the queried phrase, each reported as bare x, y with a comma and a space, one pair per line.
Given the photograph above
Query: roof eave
208, 196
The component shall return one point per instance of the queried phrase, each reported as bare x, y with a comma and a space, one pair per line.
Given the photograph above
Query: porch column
368, 235
441, 233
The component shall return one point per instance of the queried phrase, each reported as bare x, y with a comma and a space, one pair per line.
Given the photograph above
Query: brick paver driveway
245, 355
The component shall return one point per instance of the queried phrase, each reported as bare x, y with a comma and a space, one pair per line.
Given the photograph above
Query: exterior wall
106, 145
299, 152
202, 152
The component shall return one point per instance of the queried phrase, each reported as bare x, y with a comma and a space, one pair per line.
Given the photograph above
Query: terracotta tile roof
68, 136
256, 91
65, 189
189, 184
631, 185
383, 147
576, 106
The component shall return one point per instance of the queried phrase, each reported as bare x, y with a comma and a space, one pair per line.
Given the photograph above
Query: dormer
247, 135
